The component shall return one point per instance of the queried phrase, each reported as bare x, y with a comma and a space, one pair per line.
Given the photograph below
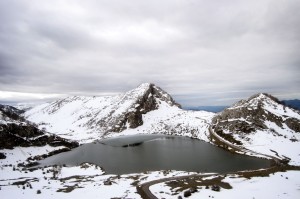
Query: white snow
87, 183
278, 185
266, 142
173, 120
20, 154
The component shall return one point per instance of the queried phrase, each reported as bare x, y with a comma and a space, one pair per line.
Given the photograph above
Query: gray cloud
204, 52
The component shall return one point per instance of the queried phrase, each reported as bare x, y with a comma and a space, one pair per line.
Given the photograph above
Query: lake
139, 153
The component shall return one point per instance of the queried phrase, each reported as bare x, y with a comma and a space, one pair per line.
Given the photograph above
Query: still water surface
132, 154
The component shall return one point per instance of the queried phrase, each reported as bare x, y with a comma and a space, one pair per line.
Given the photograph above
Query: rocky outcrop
293, 124
26, 135
2, 156
16, 131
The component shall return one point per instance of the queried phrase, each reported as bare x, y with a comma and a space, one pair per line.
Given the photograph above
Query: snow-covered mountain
15, 131
146, 109
261, 124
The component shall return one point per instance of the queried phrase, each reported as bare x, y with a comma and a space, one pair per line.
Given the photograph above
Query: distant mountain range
214, 109
292, 103
295, 104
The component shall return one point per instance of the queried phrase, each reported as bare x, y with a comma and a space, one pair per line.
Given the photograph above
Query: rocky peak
150, 95
256, 113
260, 120
257, 100
145, 98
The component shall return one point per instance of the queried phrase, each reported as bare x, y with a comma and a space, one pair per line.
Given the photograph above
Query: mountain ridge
262, 124
98, 116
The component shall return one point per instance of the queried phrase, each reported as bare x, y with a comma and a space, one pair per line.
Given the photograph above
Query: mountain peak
257, 100
145, 85
149, 91
102, 115
264, 96
260, 119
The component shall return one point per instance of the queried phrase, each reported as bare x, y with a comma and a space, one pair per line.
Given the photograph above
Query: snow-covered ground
20, 154
268, 144
277, 185
90, 181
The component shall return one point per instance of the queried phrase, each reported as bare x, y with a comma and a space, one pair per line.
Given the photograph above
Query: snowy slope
173, 121
262, 124
146, 109
277, 185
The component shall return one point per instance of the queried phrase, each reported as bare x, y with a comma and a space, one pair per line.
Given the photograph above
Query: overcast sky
203, 52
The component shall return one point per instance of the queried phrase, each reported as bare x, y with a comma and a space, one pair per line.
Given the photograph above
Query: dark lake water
132, 154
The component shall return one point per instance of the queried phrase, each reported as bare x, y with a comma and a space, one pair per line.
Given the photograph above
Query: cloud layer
204, 52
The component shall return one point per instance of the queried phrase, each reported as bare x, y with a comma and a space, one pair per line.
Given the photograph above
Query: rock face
16, 131
100, 114
261, 121
26, 135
